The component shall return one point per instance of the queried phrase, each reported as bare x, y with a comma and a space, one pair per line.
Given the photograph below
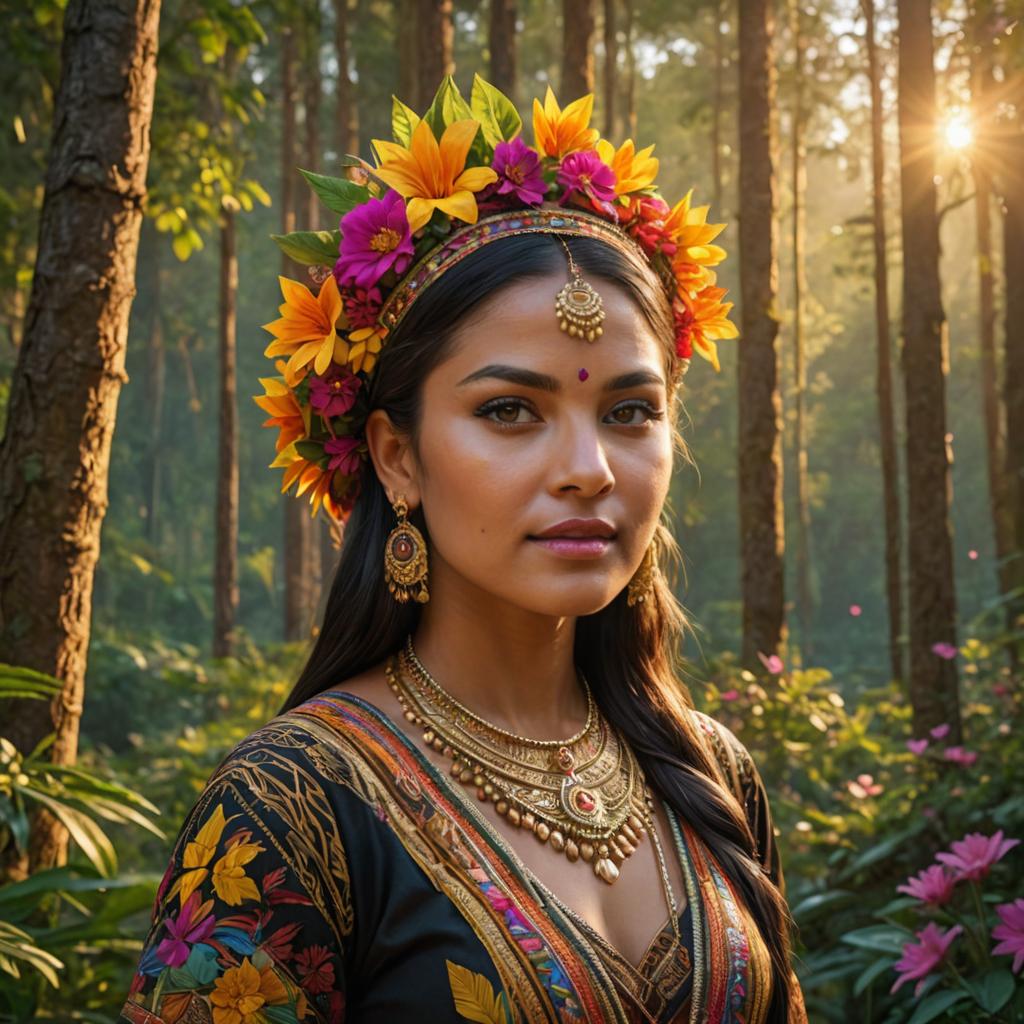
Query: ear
393, 458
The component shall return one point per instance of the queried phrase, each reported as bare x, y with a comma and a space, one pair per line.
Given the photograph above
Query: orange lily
633, 171
433, 176
309, 475
306, 331
558, 132
285, 411
711, 321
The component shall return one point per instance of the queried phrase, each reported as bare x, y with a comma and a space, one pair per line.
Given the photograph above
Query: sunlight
958, 131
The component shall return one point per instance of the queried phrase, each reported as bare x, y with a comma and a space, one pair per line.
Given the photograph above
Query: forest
851, 519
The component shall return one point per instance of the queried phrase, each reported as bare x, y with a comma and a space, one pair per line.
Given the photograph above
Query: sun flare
958, 131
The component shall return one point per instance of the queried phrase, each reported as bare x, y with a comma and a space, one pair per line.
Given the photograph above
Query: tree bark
933, 685
225, 578
55, 456
611, 60
578, 29
630, 31
156, 375
347, 110
762, 537
501, 39
408, 52
798, 169
718, 107
436, 36
883, 363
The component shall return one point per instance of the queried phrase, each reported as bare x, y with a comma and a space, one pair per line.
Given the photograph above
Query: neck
511, 667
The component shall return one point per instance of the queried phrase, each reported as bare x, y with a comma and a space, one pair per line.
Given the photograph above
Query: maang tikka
405, 559
579, 308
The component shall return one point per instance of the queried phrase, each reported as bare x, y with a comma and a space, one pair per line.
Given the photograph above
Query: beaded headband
457, 179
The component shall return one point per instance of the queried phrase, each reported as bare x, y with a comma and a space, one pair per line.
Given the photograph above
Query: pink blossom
518, 169
334, 393
375, 238
972, 555
1011, 931
944, 650
586, 172
973, 856
855, 610
960, 755
934, 886
184, 930
771, 662
918, 961
362, 306
1000, 689
345, 454
940, 731
917, 746
730, 695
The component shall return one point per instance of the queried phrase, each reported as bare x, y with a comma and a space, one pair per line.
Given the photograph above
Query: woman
488, 796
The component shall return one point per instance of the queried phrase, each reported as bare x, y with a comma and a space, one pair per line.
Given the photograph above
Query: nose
579, 460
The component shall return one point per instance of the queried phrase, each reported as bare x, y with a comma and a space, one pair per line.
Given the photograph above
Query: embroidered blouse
329, 873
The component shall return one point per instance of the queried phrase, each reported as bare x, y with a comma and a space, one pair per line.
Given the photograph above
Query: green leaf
864, 980
313, 248
310, 450
994, 990
498, 117
812, 904
338, 194
932, 1005
22, 682
403, 121
447, 107
879, 938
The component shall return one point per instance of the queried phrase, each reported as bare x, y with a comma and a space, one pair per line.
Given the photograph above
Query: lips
578, 529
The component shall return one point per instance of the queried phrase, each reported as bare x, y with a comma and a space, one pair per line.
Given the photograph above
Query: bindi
583, 375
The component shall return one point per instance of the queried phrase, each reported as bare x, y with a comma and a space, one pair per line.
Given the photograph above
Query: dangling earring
642, 583
405, 559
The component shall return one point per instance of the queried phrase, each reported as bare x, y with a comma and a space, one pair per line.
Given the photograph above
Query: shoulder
730, 753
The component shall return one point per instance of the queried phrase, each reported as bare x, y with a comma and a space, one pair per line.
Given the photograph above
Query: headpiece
451, 182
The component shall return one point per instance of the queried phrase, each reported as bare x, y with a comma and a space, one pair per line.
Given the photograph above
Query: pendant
580, 310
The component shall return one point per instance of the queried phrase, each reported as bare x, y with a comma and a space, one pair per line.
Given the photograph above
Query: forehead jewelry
579, 308
583, 375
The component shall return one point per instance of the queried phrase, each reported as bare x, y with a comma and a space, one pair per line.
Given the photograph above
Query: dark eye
650, 413
505, 411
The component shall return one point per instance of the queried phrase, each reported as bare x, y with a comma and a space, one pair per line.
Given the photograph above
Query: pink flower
185, 930
944, 650
934, 886
917, 746
940, 731
855, 610
334, 393
1011, 931
972, 555
730, 695
771, 662
518, 170
375, 238
1000, 689
960, 755
345, 452
585, 172
973, 856
918, 961
362, 306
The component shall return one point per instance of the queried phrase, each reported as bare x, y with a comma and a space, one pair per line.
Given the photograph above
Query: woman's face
524, 427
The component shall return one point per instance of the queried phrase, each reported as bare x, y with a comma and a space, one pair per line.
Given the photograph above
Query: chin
572, 600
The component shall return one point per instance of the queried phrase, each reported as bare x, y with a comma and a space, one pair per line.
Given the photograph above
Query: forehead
519, 325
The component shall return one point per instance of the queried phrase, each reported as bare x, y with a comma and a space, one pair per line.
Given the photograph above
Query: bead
447, 751
438, 743
465, 775
631, 837
617, 856
456, 769
636, 825
587, 851
488, 788
557, 841
627, 848
602, 850
481, 795
572, 851
529, 820
513, 816
541, 831
606, 870
410, 717
428, 737
501, 807
478, 780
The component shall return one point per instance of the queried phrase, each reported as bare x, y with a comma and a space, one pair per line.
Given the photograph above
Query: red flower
646, 223
684, 321
362, 306
316, 971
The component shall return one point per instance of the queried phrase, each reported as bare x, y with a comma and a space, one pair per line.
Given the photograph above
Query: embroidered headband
451, 182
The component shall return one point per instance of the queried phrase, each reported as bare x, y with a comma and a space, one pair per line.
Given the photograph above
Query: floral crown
456, 179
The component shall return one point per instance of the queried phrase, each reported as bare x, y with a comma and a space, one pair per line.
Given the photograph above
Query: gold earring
405, 559
642, 583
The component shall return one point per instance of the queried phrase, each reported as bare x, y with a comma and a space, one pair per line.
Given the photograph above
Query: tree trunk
578, 29
55, 456
436, 35
933, 685
408, 52
156, 376
225, 577
762, 536
347, 110
502, 44
718, 107
883, 365
611, 60
630, 29
798, 156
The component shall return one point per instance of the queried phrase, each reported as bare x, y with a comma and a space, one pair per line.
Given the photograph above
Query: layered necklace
584, 796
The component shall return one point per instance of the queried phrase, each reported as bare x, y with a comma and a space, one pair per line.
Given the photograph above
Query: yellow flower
285, 412
633, 171
688, 229
240, 994
230, 882
434, 176
199, 852
711, 321
558, 132
307, 330
365, 344
309, 475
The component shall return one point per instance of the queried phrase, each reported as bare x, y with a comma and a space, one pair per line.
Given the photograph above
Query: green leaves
932, 1005
448, 106
339, 195
312, 248
403, 121
879, 938
498, 117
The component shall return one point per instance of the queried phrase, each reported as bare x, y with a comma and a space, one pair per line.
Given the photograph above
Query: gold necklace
584, 796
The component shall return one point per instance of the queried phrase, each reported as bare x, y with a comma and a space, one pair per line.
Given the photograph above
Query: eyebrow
543, 382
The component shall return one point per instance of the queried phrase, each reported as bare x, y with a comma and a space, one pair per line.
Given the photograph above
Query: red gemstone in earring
585, 801
402, 547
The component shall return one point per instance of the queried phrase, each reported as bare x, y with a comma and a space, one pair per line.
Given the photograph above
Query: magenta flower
345, 454
587, 173
917, 746
960, 755
973, 856
772, 662
185, 930
334, 393
362, 307
864, 786
944, 650
375, 238
940, 731
918, 961
730, 695
855, 610
518, 169
1011, 931
933, 886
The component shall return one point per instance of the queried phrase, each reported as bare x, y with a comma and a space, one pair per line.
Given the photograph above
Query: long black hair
628, 653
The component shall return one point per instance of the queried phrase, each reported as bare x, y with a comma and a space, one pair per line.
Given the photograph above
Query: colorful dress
330, 873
